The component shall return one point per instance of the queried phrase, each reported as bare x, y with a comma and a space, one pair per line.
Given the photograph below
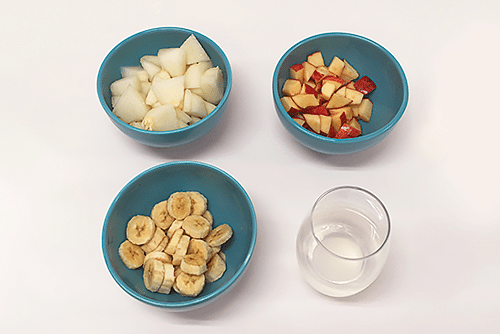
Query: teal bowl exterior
148, 42
227, 201
369, 58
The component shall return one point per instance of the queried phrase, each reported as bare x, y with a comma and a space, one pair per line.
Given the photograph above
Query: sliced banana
196, 226
162, 245
219, 235
208, 216
160, 256
154, 271
131, 255
201, 247
189, 285
160, 215
177, 224
168, 279
215, 268
180, 250
140, 229
155, 241
198, 203
193, 264
179, 205
172, 244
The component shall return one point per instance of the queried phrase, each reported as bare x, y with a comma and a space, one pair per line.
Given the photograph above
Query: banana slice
160, 215
168, 279
155, 241
131, 255
219, 235
196, 226
208, 216
222, 255
200, 247
160, 256
180, 250
177, 224
162, 245
193, 264
179, 205
140, 229
172, 244
154, 271
189, 285
215, 268
198, 203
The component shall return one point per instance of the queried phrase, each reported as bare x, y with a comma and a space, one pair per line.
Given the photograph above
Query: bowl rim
100, 73
326, 140
199, 300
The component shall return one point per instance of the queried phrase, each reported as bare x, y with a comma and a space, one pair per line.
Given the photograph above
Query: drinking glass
343, 245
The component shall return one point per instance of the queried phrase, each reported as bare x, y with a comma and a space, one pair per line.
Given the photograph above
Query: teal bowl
148, 42
369, 58
227, 201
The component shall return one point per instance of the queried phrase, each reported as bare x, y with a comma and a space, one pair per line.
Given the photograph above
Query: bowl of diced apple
165, 86
339, 93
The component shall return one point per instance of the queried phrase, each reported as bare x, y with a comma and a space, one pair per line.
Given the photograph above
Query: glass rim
366, 192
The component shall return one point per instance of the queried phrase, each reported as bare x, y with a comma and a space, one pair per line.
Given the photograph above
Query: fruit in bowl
388, 100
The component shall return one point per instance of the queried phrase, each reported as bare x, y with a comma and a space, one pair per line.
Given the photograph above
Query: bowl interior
129, 51
227, 201
370, 59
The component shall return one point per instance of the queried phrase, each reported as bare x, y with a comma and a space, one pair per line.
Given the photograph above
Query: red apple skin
294, 113
318, 110
310, 90
331, 133
347, 131
365, 85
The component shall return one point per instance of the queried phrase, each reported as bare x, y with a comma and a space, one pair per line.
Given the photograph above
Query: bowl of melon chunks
165, 86
339, 93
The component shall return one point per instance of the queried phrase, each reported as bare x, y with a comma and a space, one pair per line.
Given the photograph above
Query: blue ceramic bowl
148, 42
369, 58
227, 201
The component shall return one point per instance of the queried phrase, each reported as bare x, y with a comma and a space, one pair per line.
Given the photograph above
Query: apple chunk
316, 59
325, 124
365, 85
173, 60
314, 122
363, 110
305, 100
336, 66
292, 87
297, 72
131, 107
349, 73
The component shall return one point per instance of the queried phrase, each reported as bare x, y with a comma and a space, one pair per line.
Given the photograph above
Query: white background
63, 162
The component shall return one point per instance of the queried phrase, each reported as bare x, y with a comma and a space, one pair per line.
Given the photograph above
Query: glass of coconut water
343, 245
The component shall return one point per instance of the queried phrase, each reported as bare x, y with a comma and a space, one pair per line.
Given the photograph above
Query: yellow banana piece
179, 205
200, 247
131, 255
160, 256
198, 203
189, 285
172, 244
208, 216
215, 268
180, 250
155, 241
196, 226
168, 279
140, 229
162, 245
219, 235
177, 224
193, 264
160, 215
154, 271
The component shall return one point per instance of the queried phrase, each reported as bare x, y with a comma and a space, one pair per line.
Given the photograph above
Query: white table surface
63, 161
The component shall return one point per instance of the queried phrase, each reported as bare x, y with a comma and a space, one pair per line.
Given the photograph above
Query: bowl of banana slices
179, 235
